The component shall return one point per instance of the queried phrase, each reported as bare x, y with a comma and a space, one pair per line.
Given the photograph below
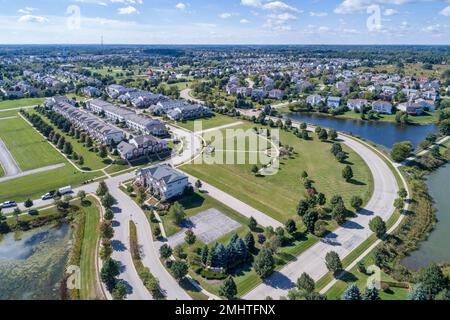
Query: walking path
18, 108
234, 124
186, 95
30, 172
8, 163
8, 118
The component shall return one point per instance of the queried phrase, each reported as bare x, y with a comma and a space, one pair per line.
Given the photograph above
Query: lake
31, 268
382, 133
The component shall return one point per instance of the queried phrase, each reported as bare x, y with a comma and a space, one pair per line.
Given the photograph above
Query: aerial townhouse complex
180, 110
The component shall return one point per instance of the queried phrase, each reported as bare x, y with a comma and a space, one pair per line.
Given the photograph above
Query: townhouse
314, 99
141, 146
333, 102
414, 109
382, 107
357, 104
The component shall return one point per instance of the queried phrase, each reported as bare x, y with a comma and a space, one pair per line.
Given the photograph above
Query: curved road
186, 95
346, 238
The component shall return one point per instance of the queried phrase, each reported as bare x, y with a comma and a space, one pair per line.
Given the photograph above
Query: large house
141, 146
357, 104
314, 100
164, 181
96, 128
141, 99
382, 107
180, 110
414, 109
114, 91
333, 102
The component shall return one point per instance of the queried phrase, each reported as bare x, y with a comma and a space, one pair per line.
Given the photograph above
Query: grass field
427, 118
410, 69
11, 104
88, 271
92, 160
28, 148
278, 195
209, 123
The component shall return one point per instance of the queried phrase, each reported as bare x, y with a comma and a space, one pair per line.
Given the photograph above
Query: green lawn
34, 186
92, 160
88, 251
208, 123
2, 172
29, 149
427, 118
10, 104
278, 195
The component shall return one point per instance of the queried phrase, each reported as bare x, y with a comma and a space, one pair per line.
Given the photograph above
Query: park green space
11, 104
427, 118
208, 123
411, 69
27, 146
88, 270
278, 195
92, 161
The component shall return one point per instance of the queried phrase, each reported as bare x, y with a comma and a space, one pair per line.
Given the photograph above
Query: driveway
185, 94
345, 239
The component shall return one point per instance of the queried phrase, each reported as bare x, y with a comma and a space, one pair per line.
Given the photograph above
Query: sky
225, 22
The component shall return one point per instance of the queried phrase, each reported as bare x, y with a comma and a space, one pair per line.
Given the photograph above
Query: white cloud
251, 3
318, 14
127, 10
390, 12
351, 6
27, 10
180, 6
279, 6
244, 21
128, 1
31, 18
227, 15
445, 12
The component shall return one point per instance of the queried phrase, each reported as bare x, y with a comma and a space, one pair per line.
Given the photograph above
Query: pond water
382, 133
32, 267
436, 248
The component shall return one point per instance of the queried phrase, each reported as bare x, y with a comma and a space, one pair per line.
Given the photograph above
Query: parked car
65, 190
48, 195
8, 204
33, 212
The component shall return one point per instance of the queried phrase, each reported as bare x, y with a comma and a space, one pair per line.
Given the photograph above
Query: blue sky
226, 22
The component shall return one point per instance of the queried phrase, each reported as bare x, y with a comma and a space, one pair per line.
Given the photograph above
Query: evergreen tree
371, 293
228, 289
333, 262
306, 283
250, 242
109, 272
352, 293
264, 264
102, 189
347, 173
204, 254
418, 293
221, 256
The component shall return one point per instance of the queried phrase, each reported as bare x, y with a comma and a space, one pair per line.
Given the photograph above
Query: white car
8, 204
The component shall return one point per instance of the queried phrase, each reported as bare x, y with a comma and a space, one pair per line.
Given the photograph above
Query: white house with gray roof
164, 181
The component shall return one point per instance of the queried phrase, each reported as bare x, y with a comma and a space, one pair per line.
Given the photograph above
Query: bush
211, 275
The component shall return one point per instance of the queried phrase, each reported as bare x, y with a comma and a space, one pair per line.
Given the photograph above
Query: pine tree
221, 256
228, 289
306, 283
250, 242
352, 293
371, 293
204, 254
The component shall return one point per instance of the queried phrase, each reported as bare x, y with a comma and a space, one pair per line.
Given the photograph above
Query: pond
382, 133
436, 247
32, 267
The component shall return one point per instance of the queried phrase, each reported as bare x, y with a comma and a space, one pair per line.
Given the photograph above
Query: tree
378, 226
204, 254
106, 230
399, 204
102, 189
198, 184
333, 262
120, 291
109, 272
304, 175
321, 199
341, 156
103, 152
28, 203
433, 280
444, 127
89, 142
302, 208
264, 264
310, 219
81, 161
179, 269
338, 213
109, 215
401, 151
291, 226
403, 193
249, 241
356, 202
228, 288
255, 169
190, 237
371, 293
252, 224
176, 211
306, 283
108, 201
352, 293
347, 173
332, 134
165, 251
81, 195
323, 135
336, 148
418, 293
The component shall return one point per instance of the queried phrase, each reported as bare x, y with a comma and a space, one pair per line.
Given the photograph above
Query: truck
65, 190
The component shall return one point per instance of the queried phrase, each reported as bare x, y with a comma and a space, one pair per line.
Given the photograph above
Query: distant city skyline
225, 22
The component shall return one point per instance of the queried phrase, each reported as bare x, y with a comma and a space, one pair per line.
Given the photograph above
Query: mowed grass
92, 160
278, 195
34, 186
29, 149
426, 118
11, 104
207, 123
88, 270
